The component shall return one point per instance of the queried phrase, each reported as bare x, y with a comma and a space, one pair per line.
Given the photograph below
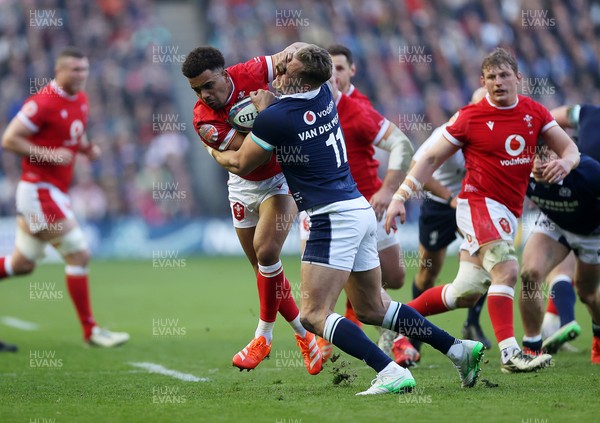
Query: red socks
430, 302
77, 285
268, 280
500, 307
287, 307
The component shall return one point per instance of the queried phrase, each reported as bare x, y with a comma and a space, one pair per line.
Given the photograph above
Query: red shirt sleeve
33, 112
456, 130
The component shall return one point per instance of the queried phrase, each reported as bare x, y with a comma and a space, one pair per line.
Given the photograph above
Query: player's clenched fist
262, 99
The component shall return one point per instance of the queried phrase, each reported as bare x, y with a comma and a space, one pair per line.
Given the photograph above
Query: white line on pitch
18, 323
157, 368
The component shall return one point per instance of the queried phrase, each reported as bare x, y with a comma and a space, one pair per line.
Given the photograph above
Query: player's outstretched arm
16, 139
418, 175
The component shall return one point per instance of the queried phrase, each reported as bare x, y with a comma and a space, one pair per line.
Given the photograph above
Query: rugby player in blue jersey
302, 129
569, 221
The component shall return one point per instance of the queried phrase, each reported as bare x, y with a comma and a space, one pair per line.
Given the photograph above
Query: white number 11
332, 141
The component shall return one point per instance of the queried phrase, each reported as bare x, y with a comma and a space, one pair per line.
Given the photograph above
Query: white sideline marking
18, 323
157, 368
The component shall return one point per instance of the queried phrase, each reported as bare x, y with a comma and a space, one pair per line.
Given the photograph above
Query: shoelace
254, 347
525, 357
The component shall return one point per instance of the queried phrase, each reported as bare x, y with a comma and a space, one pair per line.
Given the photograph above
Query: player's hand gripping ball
242, 115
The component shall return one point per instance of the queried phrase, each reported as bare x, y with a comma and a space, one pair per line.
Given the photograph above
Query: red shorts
42, 205
483, 220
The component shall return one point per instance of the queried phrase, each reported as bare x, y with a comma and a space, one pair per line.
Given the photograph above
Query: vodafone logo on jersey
514, 146
309, 117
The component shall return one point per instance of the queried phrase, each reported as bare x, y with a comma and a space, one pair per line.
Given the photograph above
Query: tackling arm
243, 161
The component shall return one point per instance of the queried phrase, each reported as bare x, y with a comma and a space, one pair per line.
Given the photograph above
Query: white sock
455, 353
297, 326
532, 338
508, 347
264, 329
390, 369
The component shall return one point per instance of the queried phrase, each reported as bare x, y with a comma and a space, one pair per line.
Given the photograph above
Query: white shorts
245, 197
384, 240
345, 239
483, 220
586, 248
42, 205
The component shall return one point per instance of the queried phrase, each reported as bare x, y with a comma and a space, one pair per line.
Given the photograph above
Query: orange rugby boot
310, 351
325, 347
251, 356
404, 353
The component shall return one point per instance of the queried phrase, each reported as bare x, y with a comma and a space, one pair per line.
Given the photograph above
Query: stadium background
417, 60
154, 194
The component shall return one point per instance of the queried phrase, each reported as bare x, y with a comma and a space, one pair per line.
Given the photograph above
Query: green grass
215, 302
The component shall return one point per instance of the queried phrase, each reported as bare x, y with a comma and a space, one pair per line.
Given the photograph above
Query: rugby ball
242, 115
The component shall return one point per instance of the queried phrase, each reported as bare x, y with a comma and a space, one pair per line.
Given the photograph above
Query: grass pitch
191, 316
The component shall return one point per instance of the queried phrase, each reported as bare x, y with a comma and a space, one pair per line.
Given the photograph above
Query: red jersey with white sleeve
499, 144
363, 128
56, 119
212, 125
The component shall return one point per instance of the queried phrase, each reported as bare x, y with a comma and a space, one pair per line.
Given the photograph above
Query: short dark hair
338, 49
498, 58
70, 51
317, 65
201, 59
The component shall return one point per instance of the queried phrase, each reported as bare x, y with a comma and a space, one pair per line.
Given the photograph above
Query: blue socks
349, 338
409, 322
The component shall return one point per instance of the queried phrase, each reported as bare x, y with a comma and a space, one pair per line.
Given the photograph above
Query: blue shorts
437, 225
345, 239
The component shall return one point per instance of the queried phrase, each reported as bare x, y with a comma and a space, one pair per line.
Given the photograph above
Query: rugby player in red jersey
48, 132
259, 201
498, 136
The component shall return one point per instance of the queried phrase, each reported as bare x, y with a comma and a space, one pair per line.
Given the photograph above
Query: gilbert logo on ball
242, 115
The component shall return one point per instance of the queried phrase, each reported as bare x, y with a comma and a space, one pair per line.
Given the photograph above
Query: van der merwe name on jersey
320, 130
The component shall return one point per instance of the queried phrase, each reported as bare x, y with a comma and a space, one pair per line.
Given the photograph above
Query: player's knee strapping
500, 252
470, 280
72, 242
29, 246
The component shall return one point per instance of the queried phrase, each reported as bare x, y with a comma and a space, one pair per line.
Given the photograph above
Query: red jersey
212, 125
355, 94
363, 128
499, 144
57, 119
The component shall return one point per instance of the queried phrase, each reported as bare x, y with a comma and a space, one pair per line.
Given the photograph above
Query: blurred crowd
418, 60
133, 116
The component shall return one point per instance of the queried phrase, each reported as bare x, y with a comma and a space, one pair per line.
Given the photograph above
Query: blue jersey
573, 205
589, 131
304, 132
